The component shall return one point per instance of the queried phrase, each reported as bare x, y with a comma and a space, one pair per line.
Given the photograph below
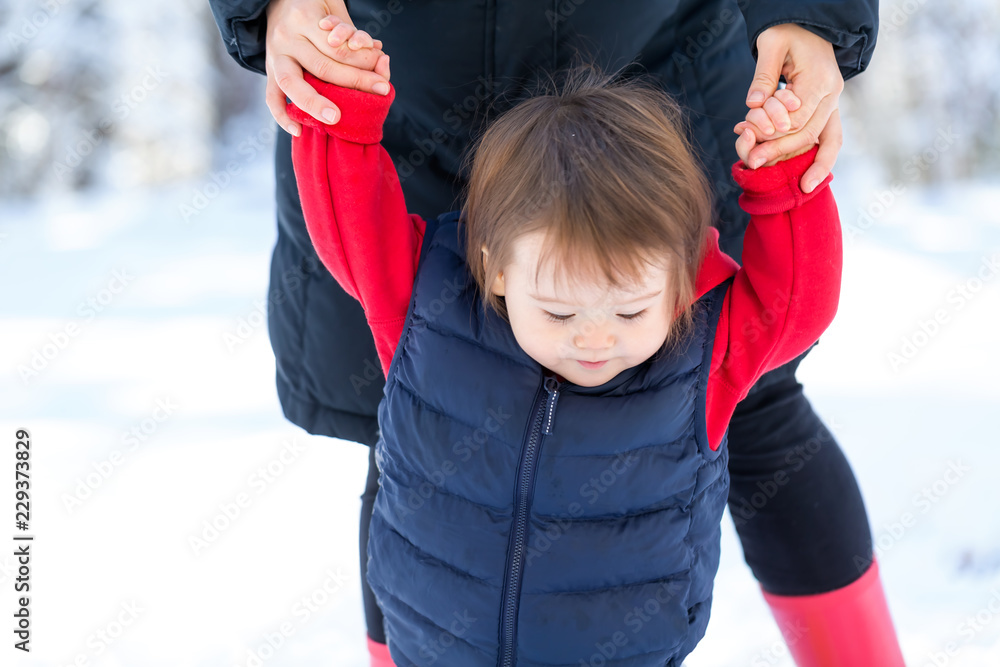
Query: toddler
562, 357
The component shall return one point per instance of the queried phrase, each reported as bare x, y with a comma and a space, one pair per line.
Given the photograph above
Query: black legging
793, 497
373, 615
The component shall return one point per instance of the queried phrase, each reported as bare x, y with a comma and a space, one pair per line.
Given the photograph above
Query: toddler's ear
497, 287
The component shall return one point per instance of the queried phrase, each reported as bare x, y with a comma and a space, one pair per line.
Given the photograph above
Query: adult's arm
851, 26
243, 26
354, 209
786, 293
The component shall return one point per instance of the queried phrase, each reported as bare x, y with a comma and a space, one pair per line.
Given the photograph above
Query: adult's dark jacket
456, 64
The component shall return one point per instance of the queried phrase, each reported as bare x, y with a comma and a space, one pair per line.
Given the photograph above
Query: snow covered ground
180, 520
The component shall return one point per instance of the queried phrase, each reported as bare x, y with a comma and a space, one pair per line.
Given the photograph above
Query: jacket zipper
542, 418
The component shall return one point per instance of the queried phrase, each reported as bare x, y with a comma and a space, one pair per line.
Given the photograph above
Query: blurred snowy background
180, 520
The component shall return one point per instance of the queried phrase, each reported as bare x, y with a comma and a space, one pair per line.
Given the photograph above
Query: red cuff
361, 113
775, 189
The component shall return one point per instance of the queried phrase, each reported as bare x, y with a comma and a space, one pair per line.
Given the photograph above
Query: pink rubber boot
847, 627
379, 654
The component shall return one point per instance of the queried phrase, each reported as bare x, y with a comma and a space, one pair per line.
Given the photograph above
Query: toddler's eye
552, 317
632, 316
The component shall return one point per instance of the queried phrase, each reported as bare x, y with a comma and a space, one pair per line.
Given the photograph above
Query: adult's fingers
770, 61
813, 88
341, 66
346, 76
274, 97
830, 141
288, 79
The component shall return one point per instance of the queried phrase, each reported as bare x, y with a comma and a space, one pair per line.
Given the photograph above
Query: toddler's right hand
771, 119
768, 122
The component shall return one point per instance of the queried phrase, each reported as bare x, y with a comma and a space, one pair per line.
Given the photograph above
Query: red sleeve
787, 291
354, 208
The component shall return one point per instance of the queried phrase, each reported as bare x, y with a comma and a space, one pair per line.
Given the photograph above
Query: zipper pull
552, 387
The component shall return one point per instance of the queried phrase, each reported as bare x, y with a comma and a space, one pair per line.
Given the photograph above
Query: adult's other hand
296, 42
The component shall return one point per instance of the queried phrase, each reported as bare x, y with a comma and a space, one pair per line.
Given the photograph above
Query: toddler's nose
596, 338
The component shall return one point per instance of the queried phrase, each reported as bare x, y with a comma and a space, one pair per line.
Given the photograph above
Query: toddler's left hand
368, 65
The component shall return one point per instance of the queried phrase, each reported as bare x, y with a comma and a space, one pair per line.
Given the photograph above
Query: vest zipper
542, 418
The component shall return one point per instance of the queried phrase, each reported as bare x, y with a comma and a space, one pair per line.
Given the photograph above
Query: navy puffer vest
525, 521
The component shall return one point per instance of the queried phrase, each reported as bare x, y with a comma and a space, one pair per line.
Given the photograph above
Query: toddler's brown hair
600, 164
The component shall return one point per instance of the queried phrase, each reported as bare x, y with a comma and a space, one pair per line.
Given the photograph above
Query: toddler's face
585, 332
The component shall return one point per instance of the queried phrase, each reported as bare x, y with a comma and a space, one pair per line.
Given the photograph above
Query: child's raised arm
354, 208
786, 293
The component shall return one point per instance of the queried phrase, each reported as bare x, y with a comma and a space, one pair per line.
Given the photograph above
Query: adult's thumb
766, 76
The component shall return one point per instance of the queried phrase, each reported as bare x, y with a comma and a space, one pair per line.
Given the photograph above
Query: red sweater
779, 303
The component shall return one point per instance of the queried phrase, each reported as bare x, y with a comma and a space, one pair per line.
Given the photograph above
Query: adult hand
295, 41
810, 68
